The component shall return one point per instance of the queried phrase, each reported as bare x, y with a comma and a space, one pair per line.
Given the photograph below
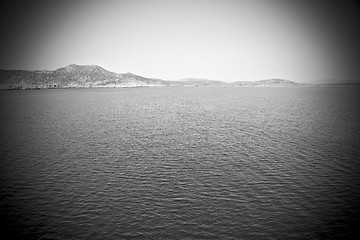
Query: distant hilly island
93, 76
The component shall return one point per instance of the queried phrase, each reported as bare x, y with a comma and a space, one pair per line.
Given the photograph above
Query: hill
73, 76
93, 76
266, 83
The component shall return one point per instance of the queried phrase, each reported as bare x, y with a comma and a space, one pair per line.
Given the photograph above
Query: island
93, 76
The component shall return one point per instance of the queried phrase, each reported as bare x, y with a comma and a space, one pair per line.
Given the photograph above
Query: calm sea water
180, 163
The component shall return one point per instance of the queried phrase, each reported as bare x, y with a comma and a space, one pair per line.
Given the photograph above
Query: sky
228, 40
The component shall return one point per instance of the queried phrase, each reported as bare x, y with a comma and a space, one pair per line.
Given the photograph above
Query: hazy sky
229, 40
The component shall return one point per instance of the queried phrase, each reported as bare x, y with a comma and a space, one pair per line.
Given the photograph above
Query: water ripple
195, 163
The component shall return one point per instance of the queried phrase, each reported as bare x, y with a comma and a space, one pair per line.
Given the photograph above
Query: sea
180, 163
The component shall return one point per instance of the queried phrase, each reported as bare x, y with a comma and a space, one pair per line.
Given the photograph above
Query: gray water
180, 163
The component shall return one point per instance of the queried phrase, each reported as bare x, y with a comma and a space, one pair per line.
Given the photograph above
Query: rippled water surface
180, 163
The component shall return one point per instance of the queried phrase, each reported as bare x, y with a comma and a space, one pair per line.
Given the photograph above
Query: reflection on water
150, 163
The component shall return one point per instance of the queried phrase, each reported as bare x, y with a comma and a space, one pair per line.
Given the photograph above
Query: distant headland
93, 76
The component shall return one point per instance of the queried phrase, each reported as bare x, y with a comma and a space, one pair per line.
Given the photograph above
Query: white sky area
214, 39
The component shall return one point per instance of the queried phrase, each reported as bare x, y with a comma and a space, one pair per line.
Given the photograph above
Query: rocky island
93, 76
